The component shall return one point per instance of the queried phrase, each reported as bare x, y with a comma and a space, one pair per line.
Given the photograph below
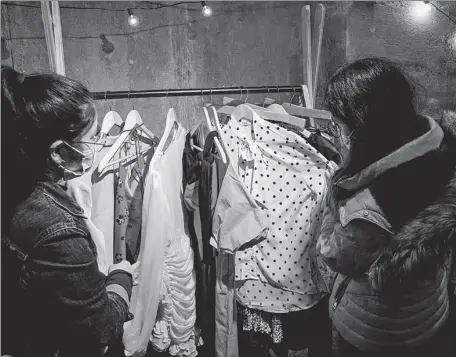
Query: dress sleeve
92, 307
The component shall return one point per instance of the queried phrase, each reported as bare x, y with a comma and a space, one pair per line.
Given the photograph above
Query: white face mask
88, 157
344, 144
345, 141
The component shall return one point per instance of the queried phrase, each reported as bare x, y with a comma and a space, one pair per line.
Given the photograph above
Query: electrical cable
157, 7
442, 12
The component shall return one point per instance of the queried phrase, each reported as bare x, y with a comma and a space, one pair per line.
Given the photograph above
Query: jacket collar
422, 145
58, 194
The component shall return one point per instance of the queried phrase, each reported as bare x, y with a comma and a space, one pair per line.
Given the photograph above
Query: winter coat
390, 244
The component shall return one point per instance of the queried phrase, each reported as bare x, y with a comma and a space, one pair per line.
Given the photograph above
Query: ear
54, 153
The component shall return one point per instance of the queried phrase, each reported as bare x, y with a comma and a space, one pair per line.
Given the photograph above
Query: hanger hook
247, 97
240, 88
264, 101
167, 97
211, 97
131, 102
107, 103
294, 94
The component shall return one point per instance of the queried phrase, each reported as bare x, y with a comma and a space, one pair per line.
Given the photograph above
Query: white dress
164, 302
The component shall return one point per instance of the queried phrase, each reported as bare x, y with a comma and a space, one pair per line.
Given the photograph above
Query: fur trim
420, 247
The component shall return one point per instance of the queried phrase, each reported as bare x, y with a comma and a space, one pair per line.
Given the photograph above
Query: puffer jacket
390, 244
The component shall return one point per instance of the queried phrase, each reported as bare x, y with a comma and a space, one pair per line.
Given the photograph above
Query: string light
106, 47
206, 10
442, 12
132, 19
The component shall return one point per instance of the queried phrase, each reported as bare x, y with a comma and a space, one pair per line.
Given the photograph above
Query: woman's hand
125, 265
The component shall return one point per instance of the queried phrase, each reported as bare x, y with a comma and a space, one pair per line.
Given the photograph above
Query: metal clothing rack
155, 93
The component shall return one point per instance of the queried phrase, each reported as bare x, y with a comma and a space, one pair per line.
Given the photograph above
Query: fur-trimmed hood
421, 246
415, 190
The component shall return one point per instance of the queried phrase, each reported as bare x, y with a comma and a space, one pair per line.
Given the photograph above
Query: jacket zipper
340, 292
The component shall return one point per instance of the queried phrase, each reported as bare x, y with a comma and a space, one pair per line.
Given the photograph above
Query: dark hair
376, 101
37, 110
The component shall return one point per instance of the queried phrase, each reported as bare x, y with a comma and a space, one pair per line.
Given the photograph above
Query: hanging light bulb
420, 9
132, 18
106, 47
207, 10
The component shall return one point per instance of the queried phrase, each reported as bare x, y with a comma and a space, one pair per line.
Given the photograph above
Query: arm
92, 307
351, 249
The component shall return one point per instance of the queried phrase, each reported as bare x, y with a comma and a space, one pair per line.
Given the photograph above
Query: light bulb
420, 9
132, 19
106, 47
207, 10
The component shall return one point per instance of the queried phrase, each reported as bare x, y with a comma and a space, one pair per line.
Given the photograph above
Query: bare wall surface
410, 33
243, 43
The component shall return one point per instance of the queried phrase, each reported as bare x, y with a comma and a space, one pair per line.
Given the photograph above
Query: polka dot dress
286, 176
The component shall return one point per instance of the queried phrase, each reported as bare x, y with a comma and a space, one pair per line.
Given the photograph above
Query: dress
164, 304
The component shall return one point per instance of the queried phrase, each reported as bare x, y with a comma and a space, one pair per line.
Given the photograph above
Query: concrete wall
256, 43
243, 43
423, 42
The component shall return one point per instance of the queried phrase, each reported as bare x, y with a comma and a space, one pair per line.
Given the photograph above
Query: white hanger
246, 111
274, 107
132, 122
308, 110
220, 149
218, 128
110, 119
171, 122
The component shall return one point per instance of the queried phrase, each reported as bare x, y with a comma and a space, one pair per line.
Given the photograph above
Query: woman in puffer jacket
390, 224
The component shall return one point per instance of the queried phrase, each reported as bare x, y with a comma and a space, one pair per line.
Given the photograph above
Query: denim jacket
55, 302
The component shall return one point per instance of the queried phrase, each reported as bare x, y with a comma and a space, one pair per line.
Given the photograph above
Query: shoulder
363, 210
47, 212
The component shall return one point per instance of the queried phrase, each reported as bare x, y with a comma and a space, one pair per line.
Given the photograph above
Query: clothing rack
155, 93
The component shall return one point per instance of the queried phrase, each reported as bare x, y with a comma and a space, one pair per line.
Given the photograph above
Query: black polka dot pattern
286, 174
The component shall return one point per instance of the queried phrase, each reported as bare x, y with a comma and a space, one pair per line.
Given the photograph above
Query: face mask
345, 141
344, 145
88, 157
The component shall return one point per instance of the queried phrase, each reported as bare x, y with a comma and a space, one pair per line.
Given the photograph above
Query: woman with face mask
389, 227
55, 301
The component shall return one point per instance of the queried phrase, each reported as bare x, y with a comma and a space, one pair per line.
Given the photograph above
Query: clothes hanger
171, 123
132, 123
307, 111
110, 119
247, 112
229, 104
274, 107
267, 100
218, 128
219, 147
263, 113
